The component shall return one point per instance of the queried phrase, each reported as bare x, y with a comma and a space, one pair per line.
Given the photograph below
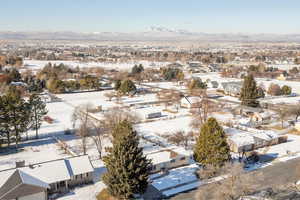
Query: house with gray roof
23, 186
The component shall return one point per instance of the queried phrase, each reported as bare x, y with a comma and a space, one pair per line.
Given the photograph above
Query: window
173, 160
182, 158
153, 167
62, 184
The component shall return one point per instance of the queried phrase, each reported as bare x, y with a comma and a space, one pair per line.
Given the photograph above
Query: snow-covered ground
167, 85
39, 64
162, 127
292, 146
215, 76
87, 192
32, 152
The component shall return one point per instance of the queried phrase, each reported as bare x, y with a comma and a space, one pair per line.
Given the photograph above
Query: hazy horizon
231, 16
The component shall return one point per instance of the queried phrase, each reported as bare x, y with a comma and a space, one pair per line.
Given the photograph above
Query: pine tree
4, 126
211, 147
17, 113
127, 167
127, 86
249, 92
38, 111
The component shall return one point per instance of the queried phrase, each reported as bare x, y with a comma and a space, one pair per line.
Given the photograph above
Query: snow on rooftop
52, 171
159, 157
79, 165
30, 180
42, 171
181, 189
36, 151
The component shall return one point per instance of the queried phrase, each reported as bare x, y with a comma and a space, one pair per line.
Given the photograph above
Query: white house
59, 175
169, 158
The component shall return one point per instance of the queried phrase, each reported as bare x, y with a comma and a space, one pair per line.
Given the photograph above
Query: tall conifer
211, 147
249, 92
127, 167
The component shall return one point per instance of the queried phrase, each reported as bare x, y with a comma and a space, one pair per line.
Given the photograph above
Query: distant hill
154, 33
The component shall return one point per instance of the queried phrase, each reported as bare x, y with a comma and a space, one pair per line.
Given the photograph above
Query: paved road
274, 175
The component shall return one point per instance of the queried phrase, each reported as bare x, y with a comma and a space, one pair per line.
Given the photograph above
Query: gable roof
53, 171
21, 184
79, 165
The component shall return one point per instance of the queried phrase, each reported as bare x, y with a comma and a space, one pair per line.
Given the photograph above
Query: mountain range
153, 34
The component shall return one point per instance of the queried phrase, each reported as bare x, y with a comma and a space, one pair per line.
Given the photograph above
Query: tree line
18, 115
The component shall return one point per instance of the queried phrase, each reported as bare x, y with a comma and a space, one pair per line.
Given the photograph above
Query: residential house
213, 84
22, 186
243, 141
232, 88
60, 174
261, 118
169, 158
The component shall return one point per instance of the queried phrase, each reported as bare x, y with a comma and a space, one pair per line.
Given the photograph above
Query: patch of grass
104, 195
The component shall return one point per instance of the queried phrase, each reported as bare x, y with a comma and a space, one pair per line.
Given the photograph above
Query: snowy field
98, 99
163, 127
167, 85
32, 152
215, 76
39, 64
95, 98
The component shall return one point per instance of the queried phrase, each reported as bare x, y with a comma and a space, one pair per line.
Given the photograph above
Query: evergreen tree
38, 111
197, 84
249, 92
4, 125
117, 84
137, 69
17, 114
211, 147
127, 167
127, 86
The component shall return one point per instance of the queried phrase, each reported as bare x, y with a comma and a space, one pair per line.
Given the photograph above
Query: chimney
20, 164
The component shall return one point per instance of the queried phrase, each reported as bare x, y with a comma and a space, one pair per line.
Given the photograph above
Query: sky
210, 16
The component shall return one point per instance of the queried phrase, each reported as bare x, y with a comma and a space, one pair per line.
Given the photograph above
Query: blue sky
212, 16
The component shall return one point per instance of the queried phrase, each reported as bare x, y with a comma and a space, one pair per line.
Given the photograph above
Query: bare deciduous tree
98, 135
81, 115
282, 114
203, 109
115, 116
180, 138
295, 110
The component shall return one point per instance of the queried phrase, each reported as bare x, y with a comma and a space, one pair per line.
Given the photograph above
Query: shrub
104, 195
